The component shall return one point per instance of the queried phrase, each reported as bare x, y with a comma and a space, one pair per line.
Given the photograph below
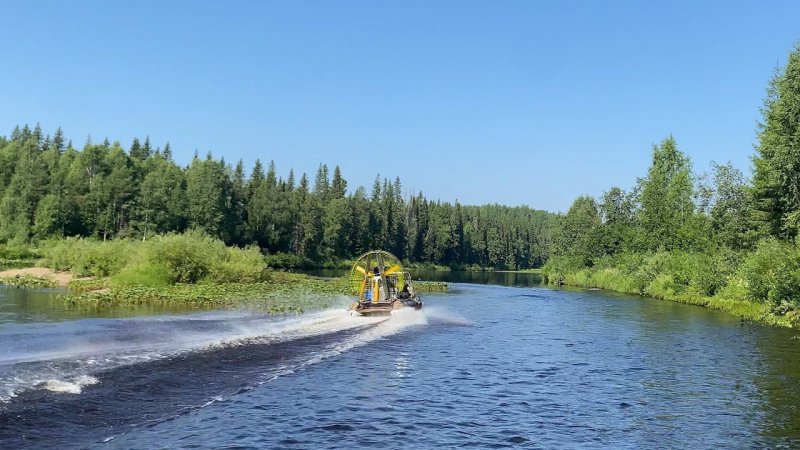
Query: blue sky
529, 102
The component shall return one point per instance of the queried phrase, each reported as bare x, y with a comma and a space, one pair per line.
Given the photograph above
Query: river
483, 365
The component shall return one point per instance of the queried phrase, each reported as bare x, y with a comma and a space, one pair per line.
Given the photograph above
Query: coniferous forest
105, 191
699, 237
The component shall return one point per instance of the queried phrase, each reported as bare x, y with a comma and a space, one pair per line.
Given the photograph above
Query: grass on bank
762, 286
189, 269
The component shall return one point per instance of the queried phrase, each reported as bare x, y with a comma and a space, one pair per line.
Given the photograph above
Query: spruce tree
776, 181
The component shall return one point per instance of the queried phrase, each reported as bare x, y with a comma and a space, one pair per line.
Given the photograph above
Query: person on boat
390, 281
404, 294
377, 282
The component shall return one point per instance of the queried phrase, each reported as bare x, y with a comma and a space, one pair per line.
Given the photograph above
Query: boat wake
102, 378
64, 357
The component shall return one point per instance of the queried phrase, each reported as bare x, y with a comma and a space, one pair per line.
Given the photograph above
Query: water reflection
518, 279
778, 382
22, 305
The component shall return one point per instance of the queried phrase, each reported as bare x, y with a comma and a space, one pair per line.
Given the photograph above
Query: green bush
187, 257
288, 261
772, 273
17, 252
192, 257
85, 257
144, 274
557, 268
239, 266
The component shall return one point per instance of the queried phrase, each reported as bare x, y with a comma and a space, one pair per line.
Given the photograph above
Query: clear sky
513, 102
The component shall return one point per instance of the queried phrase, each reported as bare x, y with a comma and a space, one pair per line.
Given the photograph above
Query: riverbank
731, 299
35, 277
191, 269
284, 292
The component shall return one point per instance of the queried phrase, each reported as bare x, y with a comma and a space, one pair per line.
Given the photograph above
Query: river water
484, 366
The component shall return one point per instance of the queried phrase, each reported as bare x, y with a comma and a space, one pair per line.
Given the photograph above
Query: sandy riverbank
62, 279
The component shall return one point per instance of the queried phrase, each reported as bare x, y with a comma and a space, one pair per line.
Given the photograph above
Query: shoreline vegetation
718, 239
190, 269
150, 228
197, 271
653, 282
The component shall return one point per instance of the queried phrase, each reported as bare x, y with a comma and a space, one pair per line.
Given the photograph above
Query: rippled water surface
480, 366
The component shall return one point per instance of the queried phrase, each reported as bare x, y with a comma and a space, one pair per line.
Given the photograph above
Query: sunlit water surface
481, 366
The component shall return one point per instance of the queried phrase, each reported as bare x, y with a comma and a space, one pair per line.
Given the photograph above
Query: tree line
703, 232
49, 189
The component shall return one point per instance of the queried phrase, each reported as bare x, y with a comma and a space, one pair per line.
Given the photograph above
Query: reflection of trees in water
733, 382
44, 305
778, 383
522, 279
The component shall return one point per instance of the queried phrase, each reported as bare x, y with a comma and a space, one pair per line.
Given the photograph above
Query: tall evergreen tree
338, 184
776, 183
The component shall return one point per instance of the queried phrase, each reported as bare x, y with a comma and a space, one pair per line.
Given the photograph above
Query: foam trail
400, 320
439, 314
73, 386
56, 356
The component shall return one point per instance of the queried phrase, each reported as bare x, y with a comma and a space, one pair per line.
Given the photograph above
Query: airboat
382, 287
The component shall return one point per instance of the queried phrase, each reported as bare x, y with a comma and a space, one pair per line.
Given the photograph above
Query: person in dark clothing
404, 294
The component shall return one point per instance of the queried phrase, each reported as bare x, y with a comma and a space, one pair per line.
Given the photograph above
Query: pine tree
136, 151
322, 183
20, 199
338, 184
776, 182
147, 149
167, 152
58, 140
290, 180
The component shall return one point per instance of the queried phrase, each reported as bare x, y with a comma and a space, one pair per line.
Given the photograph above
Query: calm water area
498, 361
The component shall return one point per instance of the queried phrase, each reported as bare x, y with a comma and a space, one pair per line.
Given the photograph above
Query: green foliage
772, 273
16, 256
661, 274
187, 257
777, 162
143, 273
207, 191
50, 190
288, 261
86, 257
192, 257
239, 266
731, 212
286, 292
666, 199
577, 238
27, 281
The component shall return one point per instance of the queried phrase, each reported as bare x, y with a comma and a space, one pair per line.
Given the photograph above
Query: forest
719, 235
699, 238
49, 189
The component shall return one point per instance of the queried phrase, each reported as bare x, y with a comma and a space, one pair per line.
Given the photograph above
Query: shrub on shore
191, 257
762, 285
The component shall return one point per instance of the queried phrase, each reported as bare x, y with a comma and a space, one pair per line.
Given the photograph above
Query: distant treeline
49, 189
680, 235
